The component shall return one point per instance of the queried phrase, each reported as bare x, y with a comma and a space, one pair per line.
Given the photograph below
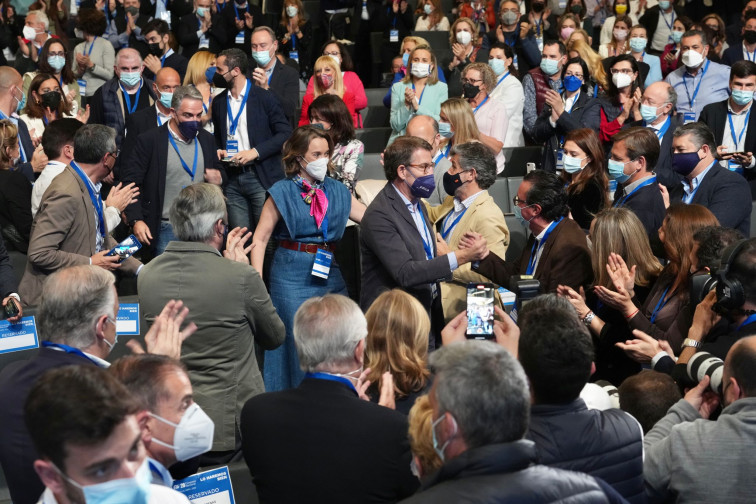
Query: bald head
425, 127
739, 376
662, 97
166, 80
9, 76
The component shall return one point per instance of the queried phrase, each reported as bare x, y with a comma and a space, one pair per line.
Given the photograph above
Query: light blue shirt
654, 69
690, 187
714, 86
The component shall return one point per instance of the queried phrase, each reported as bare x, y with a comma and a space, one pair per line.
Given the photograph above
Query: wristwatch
589, 318
688, 342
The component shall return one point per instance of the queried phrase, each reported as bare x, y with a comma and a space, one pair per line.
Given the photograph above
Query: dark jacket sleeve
497, 269
279, 126
8, 281
134, 170
19, 204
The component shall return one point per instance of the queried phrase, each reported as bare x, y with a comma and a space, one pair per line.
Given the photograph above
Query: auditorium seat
372, 167
375, 116
375, 96
499, 191
518, 237
513, 184
374, 139
518, 159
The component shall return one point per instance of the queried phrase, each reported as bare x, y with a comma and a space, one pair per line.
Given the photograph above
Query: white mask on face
621, 80
29, 32
692, 59
464, 37
317, 169
421, 70
193, 435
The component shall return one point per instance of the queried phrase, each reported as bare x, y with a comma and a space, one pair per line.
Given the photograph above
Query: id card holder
82, 87
735, 167
514, 62
562, 4
322, 266
232, 147
560, 161
239, 38
689, 117
394, 36
294, 55
539, 41
204, 45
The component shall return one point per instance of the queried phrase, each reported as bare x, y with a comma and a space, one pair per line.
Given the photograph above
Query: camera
525, 288
705, 364
700, 286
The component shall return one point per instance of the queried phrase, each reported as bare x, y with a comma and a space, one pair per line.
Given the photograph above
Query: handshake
472, 247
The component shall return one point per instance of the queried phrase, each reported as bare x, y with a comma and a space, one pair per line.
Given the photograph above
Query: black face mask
51, 100
750, 36
452, 182
220, 81
155, 49
538, 7
470, 91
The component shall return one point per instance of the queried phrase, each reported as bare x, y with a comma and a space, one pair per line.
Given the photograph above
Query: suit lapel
223, 117
162, 160
89, 209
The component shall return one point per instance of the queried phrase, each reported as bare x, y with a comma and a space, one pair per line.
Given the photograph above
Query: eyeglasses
516, 201
57, 54
332, 54
626, 71
116, 153
425, 167
471, 81
570, 74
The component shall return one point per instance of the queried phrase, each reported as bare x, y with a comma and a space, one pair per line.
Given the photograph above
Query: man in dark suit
251, 137
706, 182
730, 121
240, 17
638, 149
746, 49
8, 281
271, 74
658, 23
157, 35
734, 31
557, 251
397, 240
166, 160
325, 424
126, 28
658, 106
201, 30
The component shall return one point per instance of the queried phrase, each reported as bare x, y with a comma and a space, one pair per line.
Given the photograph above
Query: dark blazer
338, 448
228, 16
176, 61
26, 143
137, 123
107, 107
714, 115
732, 54
663, 168
393, 254
146, 166
17, 453
647, 204
724, 193
8, 280
284, 84
15, 207
565, 260
651, 19
186, 34
267, 127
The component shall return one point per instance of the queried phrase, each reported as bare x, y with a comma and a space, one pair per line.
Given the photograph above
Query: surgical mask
464, 37
78, 33
676, 36
438, 449
620, 34
155, 49
56, 62
648, 112
201, 11
685, 162
617, 171
453, 182
621, 80
29, 33
134, 490
130, 78
421, 70
51, 100
317, 169
193, 435
638, 44
509, 18
405, 60
165, 99
445, 129
566, 32
189, 129
620, 9
423, 186
518, 215
209, 73
572, 164
664, 4
470, 91
549, 66
741, 96
750, 36
335, 60
261, 57
22, 103
692, 59
325, 80
132, 10
572, 83
220, 81
291, 10
497, 65
427, 8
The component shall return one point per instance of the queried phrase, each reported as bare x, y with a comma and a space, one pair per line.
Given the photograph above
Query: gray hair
92, 142
266, 29
327, 330
671, 96
700, 134
125, 52
72, 301
41, 17
484, 388
195, 211
478, 156
183, 92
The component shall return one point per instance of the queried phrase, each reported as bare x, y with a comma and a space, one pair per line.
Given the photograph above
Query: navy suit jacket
176, 61
648, 205
267, 128
146, 166
732, 54
186, 33
26, 143
284, 84
137, 123
663, 168
726, 194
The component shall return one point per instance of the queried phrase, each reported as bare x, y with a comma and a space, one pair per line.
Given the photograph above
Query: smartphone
125, 249
480, 310
11, 308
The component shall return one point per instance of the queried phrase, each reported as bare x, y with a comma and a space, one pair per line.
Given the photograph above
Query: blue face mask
444, 129
209, 73
22, 103
572, 164
134, 490
677, 36
261, 57
423, 186
549, 66
57, 62
741, 96
165, 99
201, 11
131, 78
664, 4
648, 113
405, 59
497, 65
638, 44
617, 171
518, 215
572, 83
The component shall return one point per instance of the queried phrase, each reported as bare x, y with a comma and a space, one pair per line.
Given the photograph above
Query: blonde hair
591, 58
338, 81
421, 436
487, 74
618, 230
418, 41
195, 69
473, 27
460, 116
397, 341
8, 140
433, 77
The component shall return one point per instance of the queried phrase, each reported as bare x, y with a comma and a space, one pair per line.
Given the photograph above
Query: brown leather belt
310, 248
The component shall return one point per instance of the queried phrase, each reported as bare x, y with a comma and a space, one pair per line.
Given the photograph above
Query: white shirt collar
540, 235
462, 205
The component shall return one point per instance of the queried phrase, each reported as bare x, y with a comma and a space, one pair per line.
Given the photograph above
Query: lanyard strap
669, 24
128, 98
660, 133
183, 163
661, 303
537, 245
749, 320
446, 230
330, 377
481, 104
738, 138
96, 201
621, 202
419, 100
293, 42
573, 102
68, 349
162, 60
426, 244
502, 79
691, 101
749, 56
237, 10
234, 121
90, 46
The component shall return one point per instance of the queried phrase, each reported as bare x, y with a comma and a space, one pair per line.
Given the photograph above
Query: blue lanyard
448, 148
218, 7
294, 42
481, 104
68, 349
237, 10
691, 101
749, 320
426, 244
420, 100
502, 79
90, 46
663, 129
621, 202
159, 121
747, 54
573, 103
738, 138
235, 120
162, 60
183, 163
661, 303
330, 377
534, 250
96, 201
538, 27
669, 24
128, 98
446, 231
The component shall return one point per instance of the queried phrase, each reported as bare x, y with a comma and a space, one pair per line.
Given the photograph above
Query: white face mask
621, 80
193, 435
29, 32
692, 59
421, 69
620, 34
291, 10
317, 169
464, 37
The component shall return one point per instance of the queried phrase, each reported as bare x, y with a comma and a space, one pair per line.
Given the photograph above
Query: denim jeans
165, 235
245, 196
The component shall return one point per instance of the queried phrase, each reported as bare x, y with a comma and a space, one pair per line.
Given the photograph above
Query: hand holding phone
125, 249
480, 310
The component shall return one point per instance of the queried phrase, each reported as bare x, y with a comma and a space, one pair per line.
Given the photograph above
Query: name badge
689, 117
560, 162
562, 4
82, 87
19, 336
394, 36
204, 45
539, 41
294, 55
239, 38
735, 167
322, 266
232, 147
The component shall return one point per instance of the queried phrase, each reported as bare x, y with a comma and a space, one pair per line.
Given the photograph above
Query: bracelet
589, 318
632, 314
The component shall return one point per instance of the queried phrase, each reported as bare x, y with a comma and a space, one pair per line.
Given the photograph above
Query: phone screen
126, 248
480, 310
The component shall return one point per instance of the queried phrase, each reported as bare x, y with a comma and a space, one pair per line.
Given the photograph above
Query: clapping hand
165, 337
643, 348
619, 273
235, 249
121, 196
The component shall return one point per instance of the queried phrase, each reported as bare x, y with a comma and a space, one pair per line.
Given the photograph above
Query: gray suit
63, 234
228, 302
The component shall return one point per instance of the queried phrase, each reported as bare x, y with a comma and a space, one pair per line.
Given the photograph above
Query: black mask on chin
51, 100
